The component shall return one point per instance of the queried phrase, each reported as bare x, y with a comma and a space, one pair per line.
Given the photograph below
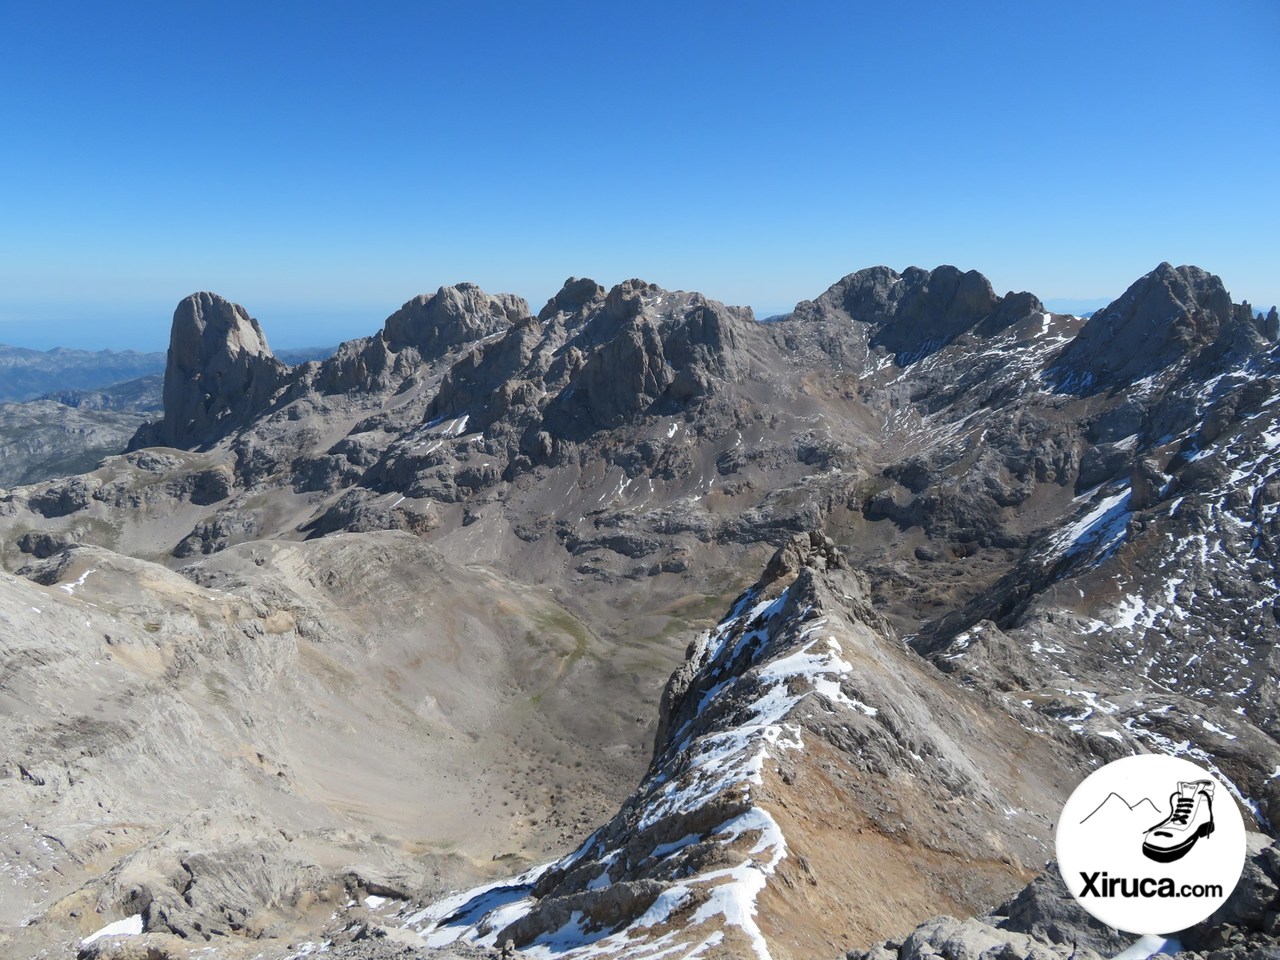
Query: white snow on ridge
434, 433
694, 771
1186, 748
1133, 612
1100, 531
1149, 946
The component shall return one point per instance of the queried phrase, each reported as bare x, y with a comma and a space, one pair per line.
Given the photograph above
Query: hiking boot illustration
1191, 818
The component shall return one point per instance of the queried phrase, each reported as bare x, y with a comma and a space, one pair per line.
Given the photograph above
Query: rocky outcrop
220, 374
576, 293
451, 316
646, 350
914, 313
948, 938
1162, 318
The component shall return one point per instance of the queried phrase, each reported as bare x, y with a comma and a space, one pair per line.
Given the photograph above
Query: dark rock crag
1162, 318
917, 312
450, 317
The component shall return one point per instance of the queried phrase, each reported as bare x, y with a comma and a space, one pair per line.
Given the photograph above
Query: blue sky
322, 163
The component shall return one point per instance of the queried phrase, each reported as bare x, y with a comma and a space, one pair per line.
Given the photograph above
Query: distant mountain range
655, 630
63, 410
29, 374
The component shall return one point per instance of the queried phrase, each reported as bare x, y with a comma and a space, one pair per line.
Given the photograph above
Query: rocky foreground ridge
797, 720
482, 538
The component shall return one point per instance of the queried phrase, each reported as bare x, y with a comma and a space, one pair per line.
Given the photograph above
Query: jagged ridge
1021, 529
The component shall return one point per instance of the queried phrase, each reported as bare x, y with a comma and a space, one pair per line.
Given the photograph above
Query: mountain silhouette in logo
1116, 807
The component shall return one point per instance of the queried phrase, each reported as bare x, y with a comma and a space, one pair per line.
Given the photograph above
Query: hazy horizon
294, 327
321, 166
288, 327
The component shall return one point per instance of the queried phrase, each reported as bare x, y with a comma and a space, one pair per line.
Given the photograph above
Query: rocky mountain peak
1169, 293
205, 324
1013, 307
1164, 316
630, 291
911, 314
451, 316
573, 296
646, 348
220, 372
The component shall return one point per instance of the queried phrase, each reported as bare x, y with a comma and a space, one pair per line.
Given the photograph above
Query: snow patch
1099, 533
128, 927
1149, 946
72, 587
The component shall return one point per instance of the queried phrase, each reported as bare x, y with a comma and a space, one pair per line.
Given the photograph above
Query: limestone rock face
576, 292
911, 314
219, 375
451, 316
955, 939
652, 355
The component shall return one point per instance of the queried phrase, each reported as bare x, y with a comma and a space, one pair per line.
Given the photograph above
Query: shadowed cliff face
1164, 318
1077, 569
913, 314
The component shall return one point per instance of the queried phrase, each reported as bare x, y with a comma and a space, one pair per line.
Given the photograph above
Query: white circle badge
1151, 844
